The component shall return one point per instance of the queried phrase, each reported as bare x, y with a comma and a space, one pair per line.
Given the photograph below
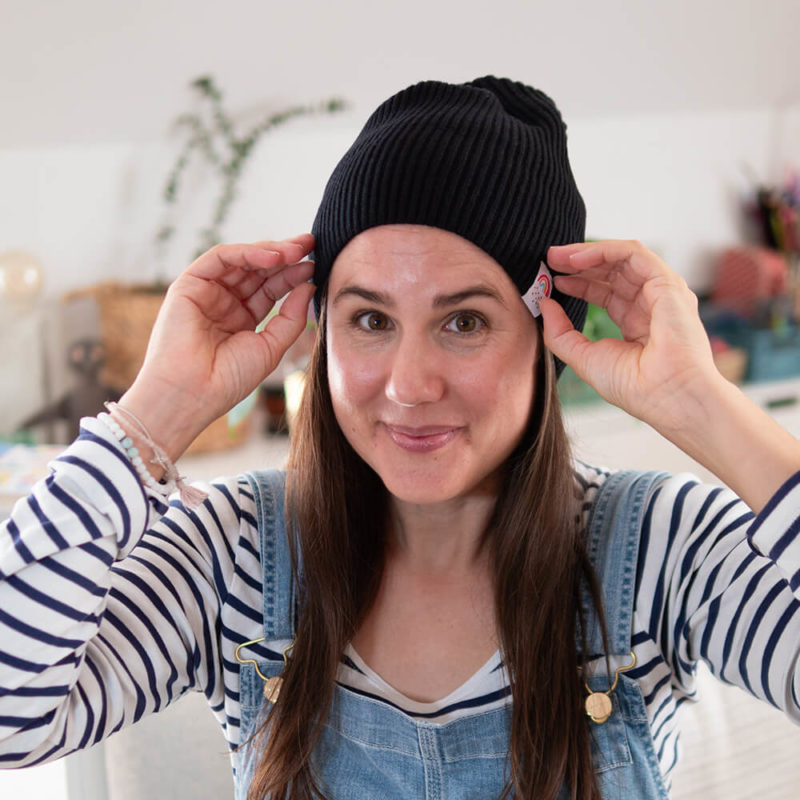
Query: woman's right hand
204, 354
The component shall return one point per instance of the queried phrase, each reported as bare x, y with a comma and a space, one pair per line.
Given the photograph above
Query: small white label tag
541, 287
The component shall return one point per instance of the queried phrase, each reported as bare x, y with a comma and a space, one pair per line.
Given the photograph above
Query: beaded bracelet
189, 495
133, 455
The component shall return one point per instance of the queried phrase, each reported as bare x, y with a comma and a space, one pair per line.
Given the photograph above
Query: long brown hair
338, 515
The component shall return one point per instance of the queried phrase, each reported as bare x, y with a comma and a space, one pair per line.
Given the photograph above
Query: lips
424, 439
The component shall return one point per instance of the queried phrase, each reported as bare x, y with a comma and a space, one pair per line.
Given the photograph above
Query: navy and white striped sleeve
717, 584
95, 634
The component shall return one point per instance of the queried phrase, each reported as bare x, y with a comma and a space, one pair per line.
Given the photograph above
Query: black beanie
486, 160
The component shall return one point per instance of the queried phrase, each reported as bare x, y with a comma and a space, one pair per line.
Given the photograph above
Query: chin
419, 488
428, 488
416, 494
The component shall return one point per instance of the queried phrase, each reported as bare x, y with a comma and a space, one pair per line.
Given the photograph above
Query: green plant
212, 136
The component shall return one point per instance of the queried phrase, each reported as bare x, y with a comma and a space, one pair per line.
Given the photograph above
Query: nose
416, 373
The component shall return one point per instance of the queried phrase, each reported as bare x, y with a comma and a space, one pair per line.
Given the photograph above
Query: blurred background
679, 114
134, 133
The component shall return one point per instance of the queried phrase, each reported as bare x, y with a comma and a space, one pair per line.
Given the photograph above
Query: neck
446, 536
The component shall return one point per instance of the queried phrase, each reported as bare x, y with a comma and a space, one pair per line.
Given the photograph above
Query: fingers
284, 328
560, 336
617, 295
222, 261
595, 292
270, 290
304, 239
583, 255
629, 262
255, 275
621, 276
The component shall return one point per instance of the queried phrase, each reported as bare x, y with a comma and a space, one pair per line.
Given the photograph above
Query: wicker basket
126, 316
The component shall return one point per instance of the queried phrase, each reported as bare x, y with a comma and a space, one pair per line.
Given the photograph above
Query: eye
465, 322
372, 321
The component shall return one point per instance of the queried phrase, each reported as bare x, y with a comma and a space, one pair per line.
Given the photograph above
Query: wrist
733, 437
156, 469
138, 450
172, 419
699, 410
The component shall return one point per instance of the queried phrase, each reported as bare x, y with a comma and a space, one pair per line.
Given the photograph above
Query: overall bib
371, 750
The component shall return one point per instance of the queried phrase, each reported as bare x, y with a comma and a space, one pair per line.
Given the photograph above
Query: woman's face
431, 356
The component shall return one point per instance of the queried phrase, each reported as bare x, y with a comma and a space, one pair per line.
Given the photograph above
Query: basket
126, 316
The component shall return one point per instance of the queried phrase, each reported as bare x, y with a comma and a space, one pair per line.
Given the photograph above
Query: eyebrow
441, 301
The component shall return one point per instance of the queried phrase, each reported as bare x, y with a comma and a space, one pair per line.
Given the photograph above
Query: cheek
508, 388
515, 393
352, 379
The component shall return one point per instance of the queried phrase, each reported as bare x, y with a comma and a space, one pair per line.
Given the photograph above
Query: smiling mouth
421, 440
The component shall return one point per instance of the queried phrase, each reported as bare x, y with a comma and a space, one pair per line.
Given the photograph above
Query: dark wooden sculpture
86, 358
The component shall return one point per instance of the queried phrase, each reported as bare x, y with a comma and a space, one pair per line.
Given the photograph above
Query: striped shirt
113, 604
488, 688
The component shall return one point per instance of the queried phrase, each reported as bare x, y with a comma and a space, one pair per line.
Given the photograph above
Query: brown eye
465, 323
373, 321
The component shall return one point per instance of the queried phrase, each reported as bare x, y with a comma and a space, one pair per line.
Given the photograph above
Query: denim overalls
371, 750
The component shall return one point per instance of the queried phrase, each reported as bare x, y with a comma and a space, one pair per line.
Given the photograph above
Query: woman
451, 595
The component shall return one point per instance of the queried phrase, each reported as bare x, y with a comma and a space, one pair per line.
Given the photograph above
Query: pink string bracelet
190, 496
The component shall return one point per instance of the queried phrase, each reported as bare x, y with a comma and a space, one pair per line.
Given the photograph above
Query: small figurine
86, 357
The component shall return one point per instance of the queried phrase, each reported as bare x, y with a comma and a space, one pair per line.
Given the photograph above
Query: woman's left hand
663, 371
665, 358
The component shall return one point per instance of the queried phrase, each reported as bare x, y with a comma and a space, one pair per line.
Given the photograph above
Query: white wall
90, 212
92, 71
665, 102
675, 110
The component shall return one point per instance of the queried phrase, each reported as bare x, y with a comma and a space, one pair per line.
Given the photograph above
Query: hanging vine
212, 136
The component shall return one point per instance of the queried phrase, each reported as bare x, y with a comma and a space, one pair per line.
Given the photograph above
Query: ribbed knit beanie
486, 160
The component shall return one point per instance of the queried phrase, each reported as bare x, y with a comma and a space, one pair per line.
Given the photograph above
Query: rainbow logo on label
545, 285
541, 287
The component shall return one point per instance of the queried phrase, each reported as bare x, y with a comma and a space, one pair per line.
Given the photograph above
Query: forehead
399, 256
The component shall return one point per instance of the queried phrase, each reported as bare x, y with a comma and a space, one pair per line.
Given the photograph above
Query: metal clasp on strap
272, 686
598, 704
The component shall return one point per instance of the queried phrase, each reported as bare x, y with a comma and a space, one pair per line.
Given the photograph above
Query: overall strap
278, 584
612, 545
